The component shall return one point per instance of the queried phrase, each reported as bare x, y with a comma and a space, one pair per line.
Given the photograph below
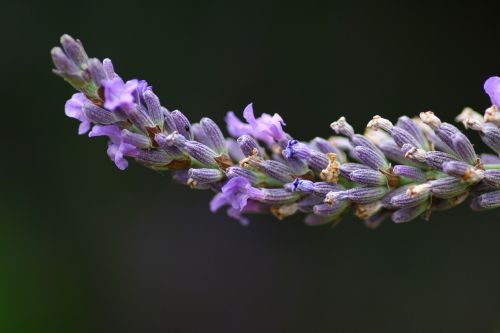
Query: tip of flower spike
378, 122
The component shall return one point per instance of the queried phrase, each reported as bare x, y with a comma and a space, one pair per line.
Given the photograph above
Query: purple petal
74, 109
236, 192
492, 88
119, 94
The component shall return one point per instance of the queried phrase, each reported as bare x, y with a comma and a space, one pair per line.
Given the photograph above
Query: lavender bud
139, 117
404, 200
200, 135
430, 119
402, 137
296, 149
236, 171
302, 185
182, 124
467, 172
456, 168
63, 63
306, 204
107, 65
365, 195
481, 187
322, 188
153, 107
214, 134
347, 168
342, 127
249, 146
490, 159
446, 132
413, 154
276, 170
277, 196
409, 172
74, 50
334, 196
489, 200
436, 159
371, 158
369, 177
386, 200
317, 160
136, 140
409, 213
154, 157
490, 134
464, 148
99, 115
380, 123
200, 152
325, 146
492, 178
360, 140
168, 123
392, 151
334, 209
182, 176
234, 150
299, 167
204, 176
174, 139
411, 127
96, 71
341, 143
447, 187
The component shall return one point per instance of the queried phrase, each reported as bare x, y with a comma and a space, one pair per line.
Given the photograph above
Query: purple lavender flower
236, 193
74, 109
267, 171
492, 88
119, 94
117, 148
266, 128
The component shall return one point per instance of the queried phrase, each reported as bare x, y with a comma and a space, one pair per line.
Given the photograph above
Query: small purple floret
492, 88
74, 109
119, 94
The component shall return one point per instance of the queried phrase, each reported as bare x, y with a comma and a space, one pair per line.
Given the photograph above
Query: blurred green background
88, 248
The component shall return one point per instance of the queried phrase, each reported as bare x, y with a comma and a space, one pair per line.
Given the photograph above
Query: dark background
85, 247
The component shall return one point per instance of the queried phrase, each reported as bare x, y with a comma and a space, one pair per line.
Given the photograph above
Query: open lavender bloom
401, 170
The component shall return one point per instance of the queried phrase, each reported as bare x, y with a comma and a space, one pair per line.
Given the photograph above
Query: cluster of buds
402, 170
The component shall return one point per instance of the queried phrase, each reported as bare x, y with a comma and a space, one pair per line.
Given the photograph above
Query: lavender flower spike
405, 170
